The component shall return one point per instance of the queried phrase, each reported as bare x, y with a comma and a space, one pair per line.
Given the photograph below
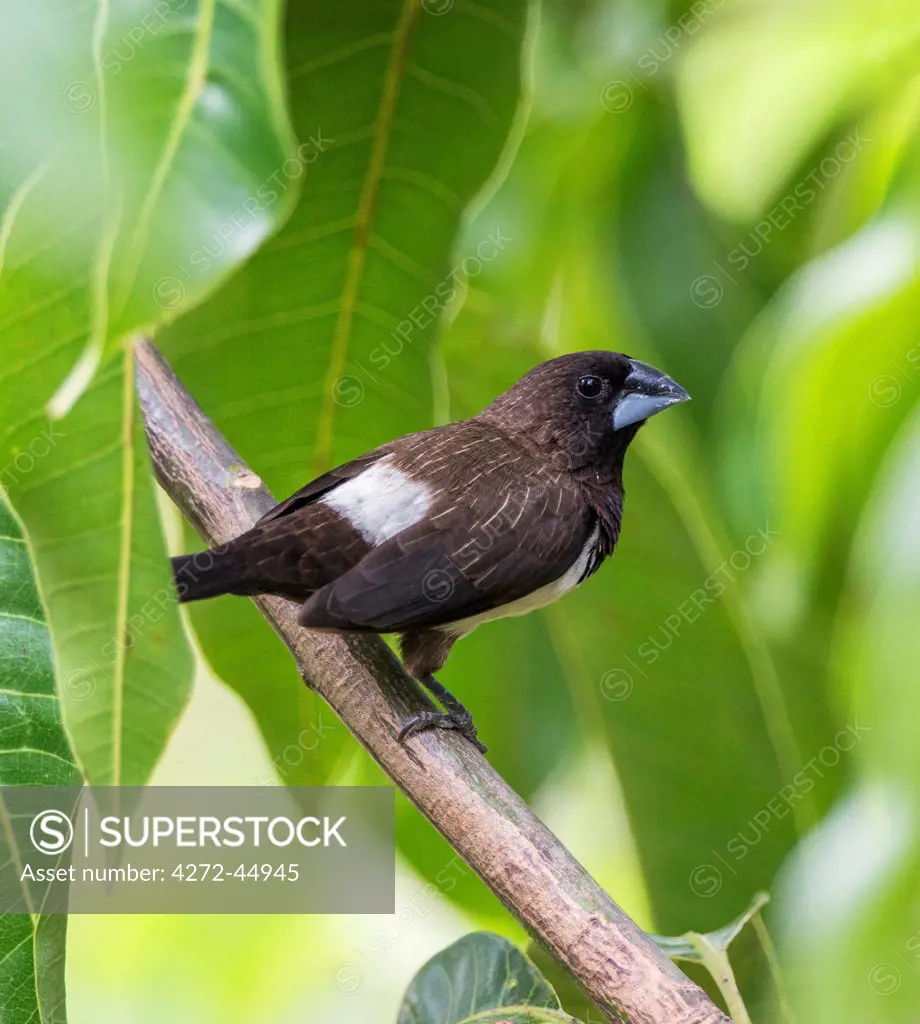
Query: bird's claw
459, 721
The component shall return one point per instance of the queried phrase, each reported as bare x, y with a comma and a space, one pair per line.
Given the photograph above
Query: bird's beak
647, 391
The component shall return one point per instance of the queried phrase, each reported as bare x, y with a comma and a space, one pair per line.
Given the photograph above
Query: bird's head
585, 407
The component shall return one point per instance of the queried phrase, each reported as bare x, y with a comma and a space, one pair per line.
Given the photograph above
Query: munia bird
432, 534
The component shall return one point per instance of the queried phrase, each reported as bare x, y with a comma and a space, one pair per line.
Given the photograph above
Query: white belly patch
380, 502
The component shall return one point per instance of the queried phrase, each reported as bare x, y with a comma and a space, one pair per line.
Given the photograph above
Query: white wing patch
380, 502
538, 598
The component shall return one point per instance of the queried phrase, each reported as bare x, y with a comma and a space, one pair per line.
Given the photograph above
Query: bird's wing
315, 490
493, 547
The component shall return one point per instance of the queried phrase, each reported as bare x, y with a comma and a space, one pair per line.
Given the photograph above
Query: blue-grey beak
647, 391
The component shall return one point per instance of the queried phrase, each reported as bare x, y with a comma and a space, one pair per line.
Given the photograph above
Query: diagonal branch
525, 865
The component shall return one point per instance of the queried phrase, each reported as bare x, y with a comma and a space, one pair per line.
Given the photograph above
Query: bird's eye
590, 386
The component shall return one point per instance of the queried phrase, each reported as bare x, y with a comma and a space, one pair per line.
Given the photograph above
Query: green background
348, 221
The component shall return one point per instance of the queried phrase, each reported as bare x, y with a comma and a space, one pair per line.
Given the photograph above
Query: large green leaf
134, 151
825, 60
124, 665
791, 381
473, 980
320, 348
851, 896
137, 161
33, 752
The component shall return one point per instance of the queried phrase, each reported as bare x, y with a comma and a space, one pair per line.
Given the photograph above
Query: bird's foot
457, 718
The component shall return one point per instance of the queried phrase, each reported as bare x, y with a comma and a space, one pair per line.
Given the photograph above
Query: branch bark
522, 862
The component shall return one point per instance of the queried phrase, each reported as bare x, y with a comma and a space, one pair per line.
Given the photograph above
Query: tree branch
522, 862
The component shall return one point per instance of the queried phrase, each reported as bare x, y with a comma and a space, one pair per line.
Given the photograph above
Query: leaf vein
367, 203
470, 97
343, 53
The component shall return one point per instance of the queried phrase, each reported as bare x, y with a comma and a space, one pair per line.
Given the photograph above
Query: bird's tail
208, 574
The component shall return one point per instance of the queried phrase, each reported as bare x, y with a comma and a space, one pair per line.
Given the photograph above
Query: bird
435, 533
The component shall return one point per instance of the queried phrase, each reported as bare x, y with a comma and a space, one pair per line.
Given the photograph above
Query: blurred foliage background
729, 189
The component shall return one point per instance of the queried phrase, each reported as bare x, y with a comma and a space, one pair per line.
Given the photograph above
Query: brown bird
432, 534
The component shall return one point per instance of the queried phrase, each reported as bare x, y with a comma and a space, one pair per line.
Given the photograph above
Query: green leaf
477, 975
850, 896
320, 349
32, 969
127, 185
130, 170
826, 62
712, 951
790, 381
877, 638
33, 751
849, 936
124, 666
687, 947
